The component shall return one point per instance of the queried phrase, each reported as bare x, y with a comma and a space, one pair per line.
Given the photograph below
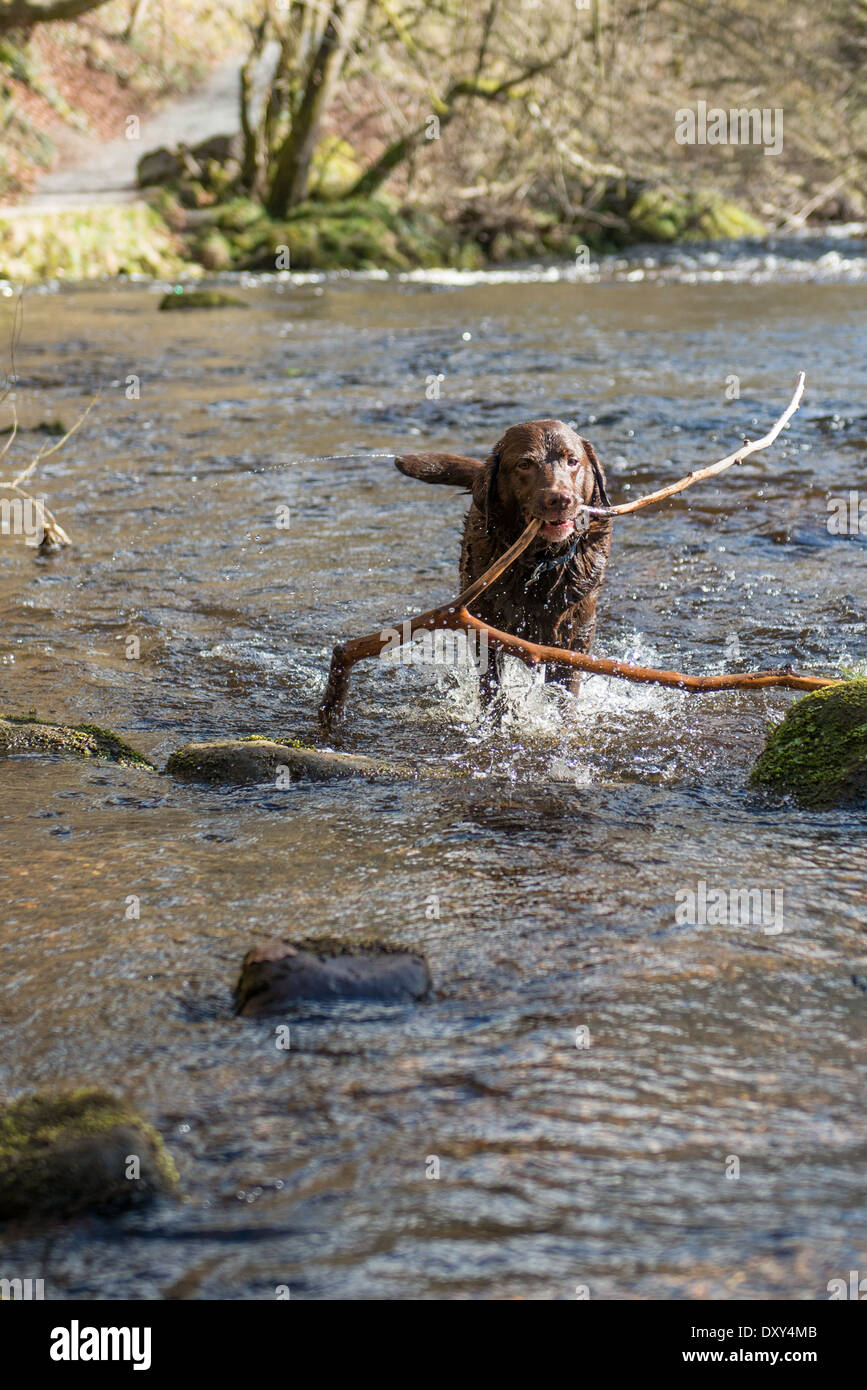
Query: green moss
352, 234
238, 214
268, 738
29, 734
67, 1152
338, 946
659, 215
214, 250
336, 168
819, 752
86, 244
181, 298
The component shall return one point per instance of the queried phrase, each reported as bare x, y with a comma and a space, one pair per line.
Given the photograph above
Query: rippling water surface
541, 879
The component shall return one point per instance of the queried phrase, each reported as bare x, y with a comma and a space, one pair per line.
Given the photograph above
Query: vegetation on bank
166, 239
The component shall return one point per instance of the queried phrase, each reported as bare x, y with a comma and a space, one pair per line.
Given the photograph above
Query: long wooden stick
532, 654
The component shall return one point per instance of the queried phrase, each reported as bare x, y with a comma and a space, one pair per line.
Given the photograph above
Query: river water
701, 1134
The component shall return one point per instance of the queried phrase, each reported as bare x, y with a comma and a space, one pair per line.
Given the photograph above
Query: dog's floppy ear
600, 496
485, 486
455, 469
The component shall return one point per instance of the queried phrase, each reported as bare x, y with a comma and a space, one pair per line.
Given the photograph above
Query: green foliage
336, 168
84, 245
659, 215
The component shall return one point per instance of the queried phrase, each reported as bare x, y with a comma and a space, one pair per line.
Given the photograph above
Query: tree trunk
292, 173
251, 159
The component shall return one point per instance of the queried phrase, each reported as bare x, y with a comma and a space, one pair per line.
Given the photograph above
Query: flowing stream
545, 879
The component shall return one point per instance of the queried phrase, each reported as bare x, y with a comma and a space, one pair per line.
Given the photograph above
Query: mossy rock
658, 215
259, 760
238, 214
819, 752
200, 299
336, 168
214, 250
69, 1152
29, 734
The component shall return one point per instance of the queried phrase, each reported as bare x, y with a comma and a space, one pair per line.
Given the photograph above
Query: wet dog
540, 469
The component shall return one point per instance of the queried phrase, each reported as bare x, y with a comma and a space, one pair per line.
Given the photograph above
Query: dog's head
543, 469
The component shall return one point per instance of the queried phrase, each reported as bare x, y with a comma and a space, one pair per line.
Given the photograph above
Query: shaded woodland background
515, 126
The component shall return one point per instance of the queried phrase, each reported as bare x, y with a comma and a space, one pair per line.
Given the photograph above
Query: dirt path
95, 172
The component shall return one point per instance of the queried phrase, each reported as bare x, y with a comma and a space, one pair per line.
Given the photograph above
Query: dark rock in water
279, 974
29, 734
64, 1153
235, 761
819, 752
201, 299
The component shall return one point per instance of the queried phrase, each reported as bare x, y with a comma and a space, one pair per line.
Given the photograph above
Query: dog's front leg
580, 639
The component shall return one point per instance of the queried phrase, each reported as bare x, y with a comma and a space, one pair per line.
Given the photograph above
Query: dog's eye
525, 463
574, 463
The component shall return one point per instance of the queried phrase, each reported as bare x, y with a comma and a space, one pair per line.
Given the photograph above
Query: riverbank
182, 230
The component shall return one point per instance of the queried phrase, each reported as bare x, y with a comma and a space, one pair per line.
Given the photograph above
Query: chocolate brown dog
543, 469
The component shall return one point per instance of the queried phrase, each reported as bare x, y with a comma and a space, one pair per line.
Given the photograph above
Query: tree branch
23, 14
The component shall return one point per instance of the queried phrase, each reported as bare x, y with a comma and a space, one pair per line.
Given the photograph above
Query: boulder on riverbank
29, 734
82, 1150
238, 761
279, 974
819, 752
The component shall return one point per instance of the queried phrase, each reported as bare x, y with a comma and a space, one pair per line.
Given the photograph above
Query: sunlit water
541, 878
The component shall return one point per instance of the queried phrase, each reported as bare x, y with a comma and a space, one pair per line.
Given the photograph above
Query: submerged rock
280, 973
76, 1151
819, 752
201, 299
263, 760
28, 734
